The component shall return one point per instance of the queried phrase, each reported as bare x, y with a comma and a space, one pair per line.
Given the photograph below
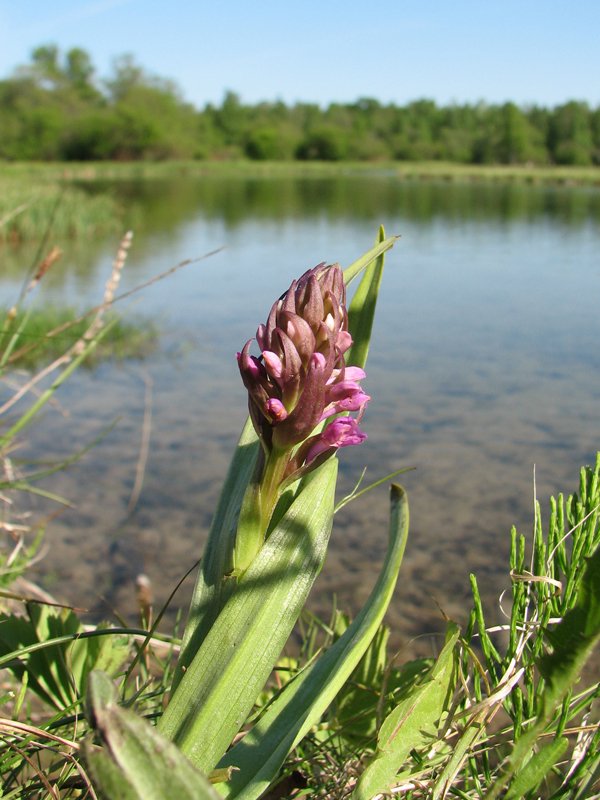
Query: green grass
46, 334
92, 171
30, 205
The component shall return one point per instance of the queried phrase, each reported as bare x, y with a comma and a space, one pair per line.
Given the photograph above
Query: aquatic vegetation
28, 211
45, 333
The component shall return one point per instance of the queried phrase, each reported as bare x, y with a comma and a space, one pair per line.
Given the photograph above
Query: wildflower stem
257, 508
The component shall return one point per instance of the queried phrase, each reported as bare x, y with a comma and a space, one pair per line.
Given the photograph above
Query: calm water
484, 374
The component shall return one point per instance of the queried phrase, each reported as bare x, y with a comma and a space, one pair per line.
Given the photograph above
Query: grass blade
363, 262
412, 725
536, 769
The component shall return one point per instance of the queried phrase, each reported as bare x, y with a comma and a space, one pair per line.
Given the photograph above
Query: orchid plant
269, 537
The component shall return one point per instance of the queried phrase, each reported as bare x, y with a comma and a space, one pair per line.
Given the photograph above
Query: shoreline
402, 170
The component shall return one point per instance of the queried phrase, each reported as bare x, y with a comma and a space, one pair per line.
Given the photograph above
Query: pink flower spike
343, 341
318, 360
342, 432
276, 409
354, 374
273, 364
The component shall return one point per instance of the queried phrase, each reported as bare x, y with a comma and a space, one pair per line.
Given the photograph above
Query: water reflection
161, 207
164, 205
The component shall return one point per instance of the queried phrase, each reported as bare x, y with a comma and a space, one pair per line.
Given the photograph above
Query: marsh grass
45, 333
44, 645
85, 201
31, 205
90, 172
523, 712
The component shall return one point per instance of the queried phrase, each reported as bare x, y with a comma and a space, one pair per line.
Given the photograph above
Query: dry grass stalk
21, 727
144, 447
109, 294
52, 257
80, 345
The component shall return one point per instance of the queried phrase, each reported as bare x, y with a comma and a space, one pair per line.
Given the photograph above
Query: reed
90, 172
45, 333
28, 209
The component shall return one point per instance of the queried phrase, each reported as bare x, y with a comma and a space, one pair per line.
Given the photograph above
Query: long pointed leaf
411, 725
362, 308
363, 262
260, 754
219, 688
137, 763
210, 591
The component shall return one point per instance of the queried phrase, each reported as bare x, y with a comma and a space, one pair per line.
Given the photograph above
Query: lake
483, 372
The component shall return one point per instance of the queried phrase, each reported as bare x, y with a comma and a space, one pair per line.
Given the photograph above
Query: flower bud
300, 378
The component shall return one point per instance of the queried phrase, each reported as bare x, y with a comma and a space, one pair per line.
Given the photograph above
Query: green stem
257, 509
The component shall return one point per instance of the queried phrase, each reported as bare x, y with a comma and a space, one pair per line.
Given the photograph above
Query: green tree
150, 118
518, 141
45, 65
231, 119
79, 72
570, 139
271, 144
31, 122
595, 127
324, 143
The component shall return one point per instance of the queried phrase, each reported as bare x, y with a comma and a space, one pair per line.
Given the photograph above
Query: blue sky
529, 51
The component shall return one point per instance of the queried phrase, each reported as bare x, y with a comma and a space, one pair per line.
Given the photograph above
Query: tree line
55, 108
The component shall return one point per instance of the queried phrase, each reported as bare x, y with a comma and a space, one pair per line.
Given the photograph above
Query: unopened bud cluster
300, 378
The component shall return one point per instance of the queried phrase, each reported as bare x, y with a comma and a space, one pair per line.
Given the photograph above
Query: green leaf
361, 312
136, 762
223, 681
57, 673
460, 750
363, 262
412, 725
357, 702
575, 637
536, 769
260, 754
212, 590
